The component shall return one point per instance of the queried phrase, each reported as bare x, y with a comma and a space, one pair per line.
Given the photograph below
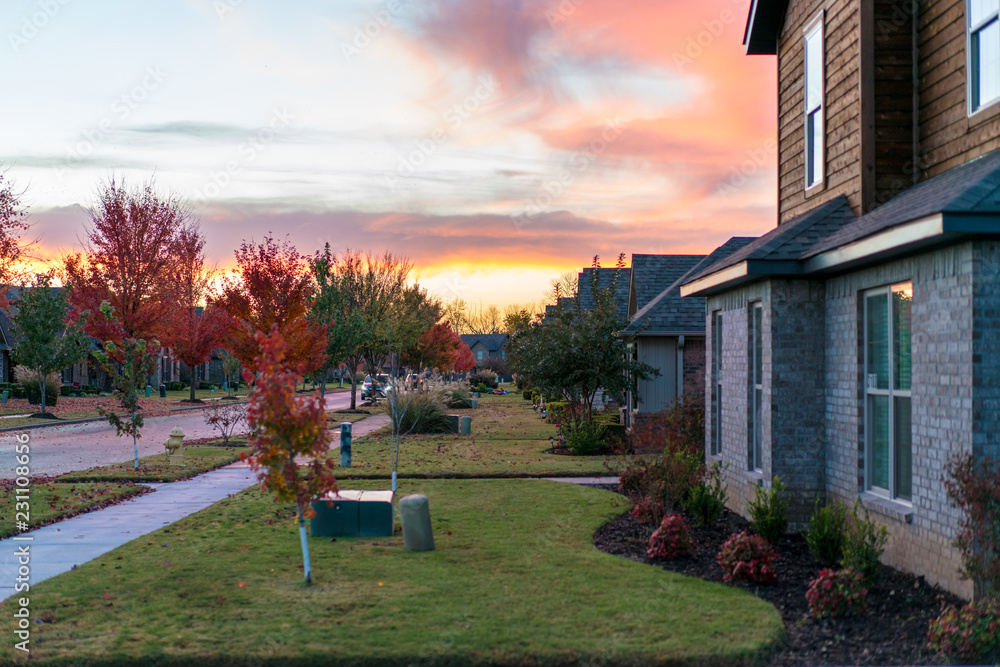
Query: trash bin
149, 391
415, 515
163, 390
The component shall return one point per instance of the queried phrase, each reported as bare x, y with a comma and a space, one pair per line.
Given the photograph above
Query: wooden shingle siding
841, 106
893, 100
948, 136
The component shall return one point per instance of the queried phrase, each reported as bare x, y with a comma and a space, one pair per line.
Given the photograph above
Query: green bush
864, 542
209, 385
825, 536
29, 385
483, 378
175, 386
768, 511
706, 500
526, 394
419, 413
584, 438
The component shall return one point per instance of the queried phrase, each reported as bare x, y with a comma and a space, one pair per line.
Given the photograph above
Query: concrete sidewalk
61, 546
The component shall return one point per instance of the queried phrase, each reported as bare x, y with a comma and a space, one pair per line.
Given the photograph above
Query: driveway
60, 449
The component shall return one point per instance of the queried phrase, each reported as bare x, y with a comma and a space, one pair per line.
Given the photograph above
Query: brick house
856, 346
486, 346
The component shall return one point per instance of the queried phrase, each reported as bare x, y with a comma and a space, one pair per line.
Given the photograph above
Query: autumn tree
465, 360
437, 348
333, 307
194, 328
273, 288
130, 250
285, 426
45, 343
13, 223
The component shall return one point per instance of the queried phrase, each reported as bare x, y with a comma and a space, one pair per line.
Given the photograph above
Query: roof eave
761, 33
748, 270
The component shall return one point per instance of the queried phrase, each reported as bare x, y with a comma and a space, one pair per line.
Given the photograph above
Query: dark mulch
892, 631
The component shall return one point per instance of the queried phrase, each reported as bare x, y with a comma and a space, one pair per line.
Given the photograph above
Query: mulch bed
892, 631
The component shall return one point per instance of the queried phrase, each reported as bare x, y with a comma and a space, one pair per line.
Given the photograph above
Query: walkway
61, 546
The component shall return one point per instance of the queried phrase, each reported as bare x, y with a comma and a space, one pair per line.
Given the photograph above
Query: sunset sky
496, 143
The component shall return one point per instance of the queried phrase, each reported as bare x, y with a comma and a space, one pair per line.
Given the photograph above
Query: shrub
209, 385
483, 377
747, 557
456, 399
707, 499
768, 511
668, 477
684, 424
526, 394
864, 542
226, 418
825, 536
175, 386
648, 510
671, 540
969, 634
974, 486
584, 438
558, 412
28, 380
834, 594
419, 413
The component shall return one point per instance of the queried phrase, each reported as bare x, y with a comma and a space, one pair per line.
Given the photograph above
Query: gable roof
491, 342
604, 277
668, 313
651, 274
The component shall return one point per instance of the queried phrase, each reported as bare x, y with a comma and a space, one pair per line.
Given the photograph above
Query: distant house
856, 347
486, 346
604, 278
668, 330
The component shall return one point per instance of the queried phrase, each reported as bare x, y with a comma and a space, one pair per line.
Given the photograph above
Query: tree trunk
192, 392
354, 391
306, 565
41, 386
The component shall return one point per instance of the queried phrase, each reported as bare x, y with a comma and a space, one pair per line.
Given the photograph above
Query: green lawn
157, 468
508, 440
515, 580
51, 501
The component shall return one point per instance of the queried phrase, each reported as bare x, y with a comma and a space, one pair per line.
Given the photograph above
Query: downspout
679, 381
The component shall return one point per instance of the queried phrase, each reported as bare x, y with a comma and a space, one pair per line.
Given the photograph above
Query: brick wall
986, 349
694, 365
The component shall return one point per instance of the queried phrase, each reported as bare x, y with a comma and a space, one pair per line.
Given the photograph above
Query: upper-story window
814, 102
984, 53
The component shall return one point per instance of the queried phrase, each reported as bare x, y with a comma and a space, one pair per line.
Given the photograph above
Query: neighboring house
604, 278
668, 330
856, 347
486, 346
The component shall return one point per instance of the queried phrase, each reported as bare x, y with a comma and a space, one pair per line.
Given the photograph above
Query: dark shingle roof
973, 187
668, 312
651, 274
604, 277
787, 242
492, 342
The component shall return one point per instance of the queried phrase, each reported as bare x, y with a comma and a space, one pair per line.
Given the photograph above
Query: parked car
382, 382
414, 381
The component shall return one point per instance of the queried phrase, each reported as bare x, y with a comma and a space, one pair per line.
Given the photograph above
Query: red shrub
671, 540
836, 593
747, 557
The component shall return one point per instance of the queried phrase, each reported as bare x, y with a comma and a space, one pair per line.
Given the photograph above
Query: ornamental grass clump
419, 413
825, 536
746, 557
671, 540
970, 634
836, 593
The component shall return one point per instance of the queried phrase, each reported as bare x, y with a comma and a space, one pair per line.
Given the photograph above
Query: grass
515, 580
334, 419
508, 440
50, 501
157, 467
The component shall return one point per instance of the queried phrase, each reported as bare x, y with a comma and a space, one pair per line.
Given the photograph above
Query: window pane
878, 440
814, 70
981, 9
902, 299
758, 345
988, 66
902, 444
877, 333
817, 154
758, 431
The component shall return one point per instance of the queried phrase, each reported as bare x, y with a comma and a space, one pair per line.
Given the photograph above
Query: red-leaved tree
274, 289
285, 426
194, 330
130, 250
437, 348
465, 360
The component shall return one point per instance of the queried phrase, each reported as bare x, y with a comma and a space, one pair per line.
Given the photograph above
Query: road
60, 449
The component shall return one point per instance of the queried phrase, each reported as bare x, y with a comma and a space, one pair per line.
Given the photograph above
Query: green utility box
353, 514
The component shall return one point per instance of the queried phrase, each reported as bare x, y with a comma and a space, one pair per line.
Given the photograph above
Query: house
486, 346
668, 331
856, 347
604, 277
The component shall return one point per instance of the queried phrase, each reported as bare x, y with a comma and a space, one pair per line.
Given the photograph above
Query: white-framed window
888, 432
755, 458
716, 383
814, 135
479, 355
983, 18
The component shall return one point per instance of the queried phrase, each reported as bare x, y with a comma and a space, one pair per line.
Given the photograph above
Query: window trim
891, 393
816, 25
972, 66
716, 407
755, 450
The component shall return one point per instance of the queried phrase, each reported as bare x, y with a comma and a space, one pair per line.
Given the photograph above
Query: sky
495, 143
